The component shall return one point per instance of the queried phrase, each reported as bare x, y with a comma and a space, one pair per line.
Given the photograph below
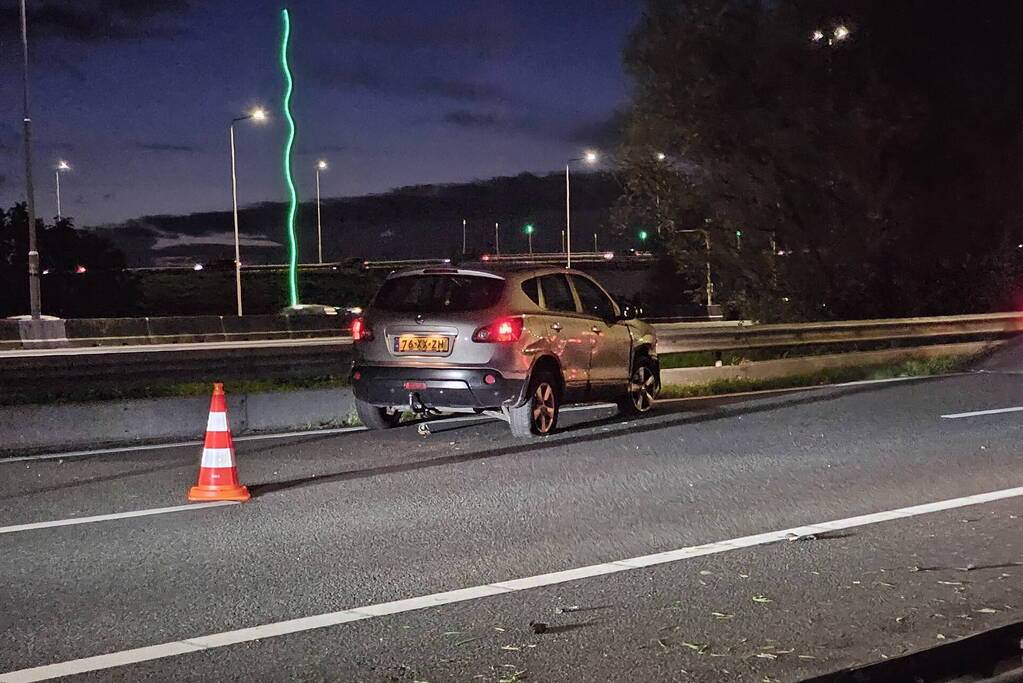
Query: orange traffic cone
218, 475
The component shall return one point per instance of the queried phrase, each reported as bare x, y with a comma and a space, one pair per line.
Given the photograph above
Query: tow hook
415, 403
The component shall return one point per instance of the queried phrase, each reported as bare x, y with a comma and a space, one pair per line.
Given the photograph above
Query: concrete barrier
69, 426
107, 331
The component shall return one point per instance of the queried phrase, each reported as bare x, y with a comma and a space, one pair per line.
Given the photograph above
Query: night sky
137, 95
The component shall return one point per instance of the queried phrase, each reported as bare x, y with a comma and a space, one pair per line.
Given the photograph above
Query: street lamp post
465, 241
321, 165
257, 115
709, 284
589, 157
497, 238
61, 166
34, 297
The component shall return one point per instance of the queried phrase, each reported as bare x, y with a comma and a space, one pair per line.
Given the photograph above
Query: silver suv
512, 343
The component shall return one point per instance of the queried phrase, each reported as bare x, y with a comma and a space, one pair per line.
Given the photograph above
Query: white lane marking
280, 628
180, 444
116, 515
975, 413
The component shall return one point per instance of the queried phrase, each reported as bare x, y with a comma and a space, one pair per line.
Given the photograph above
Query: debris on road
538, 626
761, 599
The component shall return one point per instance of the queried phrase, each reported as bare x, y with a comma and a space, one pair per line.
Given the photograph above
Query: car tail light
361, 331
501, 331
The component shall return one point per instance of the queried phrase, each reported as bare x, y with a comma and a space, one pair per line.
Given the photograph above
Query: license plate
408, 343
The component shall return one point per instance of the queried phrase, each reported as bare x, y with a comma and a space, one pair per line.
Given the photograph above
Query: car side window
532, 289
556, 294
593, 299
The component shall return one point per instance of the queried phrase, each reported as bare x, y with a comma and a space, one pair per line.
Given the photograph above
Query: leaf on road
498, 628
722, 615
454, 633
468, 640
517, 676
940, 636
951, 583
693, 646
743, 576
766, 655
566, 610
511, 648
806, 656
662, 643
704, 572
761, 599
987, 610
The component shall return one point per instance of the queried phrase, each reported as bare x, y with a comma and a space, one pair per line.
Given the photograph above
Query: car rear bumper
444, 387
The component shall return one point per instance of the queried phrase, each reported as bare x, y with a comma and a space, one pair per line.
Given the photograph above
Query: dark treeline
874, 173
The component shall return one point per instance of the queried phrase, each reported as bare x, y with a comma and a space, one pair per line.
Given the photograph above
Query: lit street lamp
257, 114
497, 239
529, 230
321, 165
464, 236
838, 34
589, 157
61, 166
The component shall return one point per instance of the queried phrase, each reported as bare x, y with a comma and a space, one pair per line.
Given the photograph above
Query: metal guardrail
27, 371
674, 338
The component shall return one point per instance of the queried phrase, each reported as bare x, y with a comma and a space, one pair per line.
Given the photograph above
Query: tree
101, 289
870, 174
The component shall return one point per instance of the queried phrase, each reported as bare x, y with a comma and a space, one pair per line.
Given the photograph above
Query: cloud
462, 118
378, 80
164, 147
95, 21
463, 91
606, 133
465, 34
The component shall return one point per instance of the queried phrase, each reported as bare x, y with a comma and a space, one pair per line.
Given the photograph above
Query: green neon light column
292, 194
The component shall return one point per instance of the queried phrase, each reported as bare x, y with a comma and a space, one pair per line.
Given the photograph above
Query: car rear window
439, 293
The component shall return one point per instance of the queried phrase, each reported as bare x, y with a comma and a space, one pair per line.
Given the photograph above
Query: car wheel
377, 418
643, 387
538, 416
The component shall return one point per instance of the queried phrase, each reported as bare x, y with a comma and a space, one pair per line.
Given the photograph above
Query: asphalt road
343, 525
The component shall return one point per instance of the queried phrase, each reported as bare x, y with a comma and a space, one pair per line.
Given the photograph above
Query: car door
611, 351
568, 331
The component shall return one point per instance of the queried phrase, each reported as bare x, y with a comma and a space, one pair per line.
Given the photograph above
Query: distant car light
608, 255
80, 269
361, 331
197, 266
